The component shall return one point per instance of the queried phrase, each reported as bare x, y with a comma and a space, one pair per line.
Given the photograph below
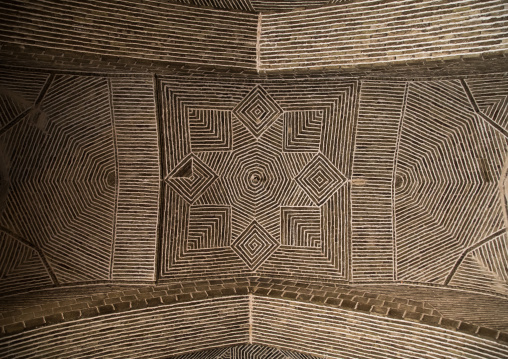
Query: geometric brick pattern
255, 245
257, 111
210, 130
320, 179
249, 172
377, 132
248, 351
209, 227
302, 131
62, 193
191, 178
301, 226
446, 151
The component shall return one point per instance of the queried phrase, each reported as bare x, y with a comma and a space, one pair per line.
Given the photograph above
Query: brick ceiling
182, 165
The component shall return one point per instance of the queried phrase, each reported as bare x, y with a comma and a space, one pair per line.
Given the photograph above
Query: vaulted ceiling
254, 179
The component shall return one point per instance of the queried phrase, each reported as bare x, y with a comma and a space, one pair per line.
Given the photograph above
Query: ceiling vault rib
469, 250
36, 248
26, 112
395, 160
479, 112
117, 175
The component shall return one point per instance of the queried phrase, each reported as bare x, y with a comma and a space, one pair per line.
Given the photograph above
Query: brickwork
251, 179
382, 32
271, 300
136, 30
254, 181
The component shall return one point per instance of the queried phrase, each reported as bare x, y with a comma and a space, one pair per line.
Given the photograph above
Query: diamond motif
191, 178
320, 179
257, 111
255, 245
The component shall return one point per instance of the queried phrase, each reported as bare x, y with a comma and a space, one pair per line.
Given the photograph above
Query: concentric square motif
249, 180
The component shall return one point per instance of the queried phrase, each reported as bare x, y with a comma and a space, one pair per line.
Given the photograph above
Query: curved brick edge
96, 305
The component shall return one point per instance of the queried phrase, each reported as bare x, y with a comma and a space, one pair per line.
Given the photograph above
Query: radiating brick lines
449, 161
256, 177
491, 97
59, 179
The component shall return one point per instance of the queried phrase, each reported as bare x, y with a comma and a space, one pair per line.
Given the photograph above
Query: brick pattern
60, 203
158, 331
250, 351
134, 30
278, 322
256, 186
433, 208
413, 304
380, 112
464, 305
133, 104
206, 314
377, 32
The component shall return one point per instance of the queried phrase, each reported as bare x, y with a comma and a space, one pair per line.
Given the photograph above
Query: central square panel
255, 177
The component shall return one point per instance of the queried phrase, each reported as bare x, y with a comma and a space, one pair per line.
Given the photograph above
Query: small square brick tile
348, 304
449, 323
364, 307
89, 312
72, 315
34, 323
14, 328
413, 316
379, 310
122, 306
431, 319
138, 304
152, 302
503, 337
395, 313
54, 318
467, 328
488, 333
106, 309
